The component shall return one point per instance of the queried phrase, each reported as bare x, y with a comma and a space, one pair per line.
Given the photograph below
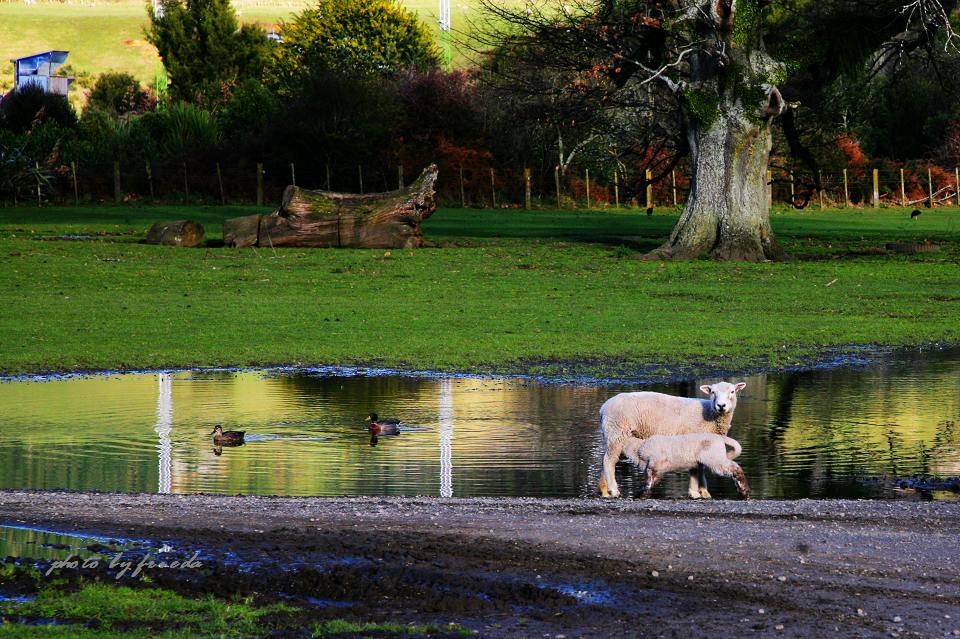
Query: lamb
646, 414
664, 453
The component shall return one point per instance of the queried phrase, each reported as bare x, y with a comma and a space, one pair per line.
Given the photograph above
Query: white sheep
665, 453
646, 414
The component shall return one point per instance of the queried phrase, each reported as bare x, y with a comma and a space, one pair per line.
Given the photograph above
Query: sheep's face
723, 395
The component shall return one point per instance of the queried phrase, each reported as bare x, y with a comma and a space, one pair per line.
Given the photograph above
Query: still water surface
844, 432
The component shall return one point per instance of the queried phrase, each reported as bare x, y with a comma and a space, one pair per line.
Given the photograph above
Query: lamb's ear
706, 389
739, 387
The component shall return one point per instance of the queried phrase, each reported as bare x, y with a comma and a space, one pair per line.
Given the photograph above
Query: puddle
67, 238
43, 544
857, 431
5, 597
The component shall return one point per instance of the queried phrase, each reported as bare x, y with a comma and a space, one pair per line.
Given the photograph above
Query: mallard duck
383, 426
227, 437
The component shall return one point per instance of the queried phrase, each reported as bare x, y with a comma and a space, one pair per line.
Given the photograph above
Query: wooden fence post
769, 188
820, 190
556, 180
903, 190
792, 189
649, 177
673, 181
930, 185
846, 190
588, 188
39, 199
117, 195
223, 197
149, 178
259, 183
293, 175
463, 194
526, 182
360, 172
616, 189
876, 188
493, 189
328, 176
76, 189
400, 177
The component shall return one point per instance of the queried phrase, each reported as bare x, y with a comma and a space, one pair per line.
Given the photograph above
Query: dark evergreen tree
204, 49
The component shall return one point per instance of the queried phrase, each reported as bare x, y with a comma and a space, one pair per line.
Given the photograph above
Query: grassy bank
87, 609
510, 291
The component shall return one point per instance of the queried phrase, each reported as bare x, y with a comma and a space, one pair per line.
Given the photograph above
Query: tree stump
322, 219
176, 233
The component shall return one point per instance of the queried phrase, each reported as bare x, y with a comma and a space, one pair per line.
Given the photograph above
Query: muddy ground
536, 567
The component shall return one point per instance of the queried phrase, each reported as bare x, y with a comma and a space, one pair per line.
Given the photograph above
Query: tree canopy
203, 47
353, 37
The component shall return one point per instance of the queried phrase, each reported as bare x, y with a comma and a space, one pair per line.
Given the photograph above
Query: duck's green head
372, 417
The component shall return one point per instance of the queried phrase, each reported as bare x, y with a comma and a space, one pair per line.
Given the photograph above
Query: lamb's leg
740, 478
652, 477
702, 473
694, 489
608, 479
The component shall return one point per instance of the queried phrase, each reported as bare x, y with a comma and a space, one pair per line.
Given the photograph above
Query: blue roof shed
40, 69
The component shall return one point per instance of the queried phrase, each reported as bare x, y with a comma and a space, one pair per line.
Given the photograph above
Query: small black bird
914, 214
649, 210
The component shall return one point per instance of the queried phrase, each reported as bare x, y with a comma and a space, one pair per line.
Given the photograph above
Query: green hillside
108, 36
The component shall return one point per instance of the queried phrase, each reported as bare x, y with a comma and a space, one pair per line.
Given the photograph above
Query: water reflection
164, 427
446, 438
817, 433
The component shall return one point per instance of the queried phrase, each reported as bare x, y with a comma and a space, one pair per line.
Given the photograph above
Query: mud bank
532, 567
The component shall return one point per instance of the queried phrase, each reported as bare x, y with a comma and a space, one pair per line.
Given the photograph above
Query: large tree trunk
726, 214
324, 219
729, 102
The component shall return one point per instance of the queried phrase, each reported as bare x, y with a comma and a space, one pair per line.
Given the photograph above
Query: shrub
29, 106
119, 94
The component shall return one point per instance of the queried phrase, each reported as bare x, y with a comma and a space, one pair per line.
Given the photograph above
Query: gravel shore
516, 567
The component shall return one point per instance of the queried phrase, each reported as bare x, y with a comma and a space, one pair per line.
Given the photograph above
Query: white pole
444, 15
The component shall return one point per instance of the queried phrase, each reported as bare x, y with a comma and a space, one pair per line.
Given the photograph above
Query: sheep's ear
739, 387
706, 389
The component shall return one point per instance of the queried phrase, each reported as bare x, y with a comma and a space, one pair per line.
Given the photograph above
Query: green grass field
510, 291
108, 36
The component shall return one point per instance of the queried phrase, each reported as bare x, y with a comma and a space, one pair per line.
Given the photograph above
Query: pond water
841, 432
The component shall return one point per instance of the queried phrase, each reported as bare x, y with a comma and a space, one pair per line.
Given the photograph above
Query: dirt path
534, 567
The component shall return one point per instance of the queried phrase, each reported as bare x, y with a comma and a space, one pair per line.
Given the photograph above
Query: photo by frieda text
125, 567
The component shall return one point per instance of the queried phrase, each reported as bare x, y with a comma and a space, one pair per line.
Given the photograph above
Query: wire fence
209, 180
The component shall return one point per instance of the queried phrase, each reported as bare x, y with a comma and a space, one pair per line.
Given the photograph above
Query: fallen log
176, 233
912, 248
322, 219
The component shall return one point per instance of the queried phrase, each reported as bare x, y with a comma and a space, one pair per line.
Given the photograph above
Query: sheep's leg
694, 489
702, 473
652, 478
608, 479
